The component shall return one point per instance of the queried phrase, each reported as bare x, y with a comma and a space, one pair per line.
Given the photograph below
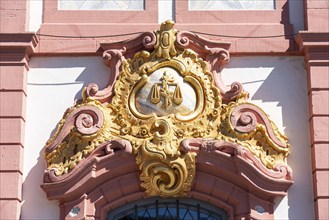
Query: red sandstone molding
212, 147
321, 205
279, 15
315, 45
245, 23
86, 120
15, 49
320, 155
84, 23
15, 104
53, 15
89, 45
13, 16
226, 177
10, 209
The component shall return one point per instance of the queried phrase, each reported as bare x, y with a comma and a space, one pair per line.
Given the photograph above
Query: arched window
158, 208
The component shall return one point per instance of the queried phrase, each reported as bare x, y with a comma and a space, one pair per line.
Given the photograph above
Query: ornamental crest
166, 100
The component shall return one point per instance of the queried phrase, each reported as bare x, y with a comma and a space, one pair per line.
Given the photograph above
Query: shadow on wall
287, 84
284, 84
35, 204
61, 71
53, 85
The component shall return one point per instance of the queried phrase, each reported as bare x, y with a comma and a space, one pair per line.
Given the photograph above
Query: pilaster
315, 46
15, 49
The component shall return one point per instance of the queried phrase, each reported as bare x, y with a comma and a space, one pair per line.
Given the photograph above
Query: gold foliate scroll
160, 98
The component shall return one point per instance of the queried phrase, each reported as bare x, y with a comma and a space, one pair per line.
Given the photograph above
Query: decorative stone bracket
165, 105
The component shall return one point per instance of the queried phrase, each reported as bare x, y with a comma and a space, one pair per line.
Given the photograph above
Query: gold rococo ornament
162, 98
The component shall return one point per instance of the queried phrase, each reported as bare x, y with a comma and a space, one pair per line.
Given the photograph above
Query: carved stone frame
104, 156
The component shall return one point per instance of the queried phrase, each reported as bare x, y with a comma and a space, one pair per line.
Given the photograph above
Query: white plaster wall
277, 84
35, 15
53, 85
166, 10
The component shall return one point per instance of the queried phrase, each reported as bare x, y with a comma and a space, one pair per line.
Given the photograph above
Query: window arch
174, 208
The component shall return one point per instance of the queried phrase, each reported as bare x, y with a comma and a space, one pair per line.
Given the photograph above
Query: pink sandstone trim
274, 22
245, 117
86, 119
53, 15
314, 43
109, 178
283, 171
114, 57
62, 46
279, 15
15, 49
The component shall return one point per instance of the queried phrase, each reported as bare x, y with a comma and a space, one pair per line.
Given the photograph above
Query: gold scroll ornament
162, 98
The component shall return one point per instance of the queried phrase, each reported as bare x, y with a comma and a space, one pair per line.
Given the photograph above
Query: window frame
280, 14
52, 14
199, 206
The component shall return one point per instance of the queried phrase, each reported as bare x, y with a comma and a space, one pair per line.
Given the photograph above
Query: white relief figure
165, 92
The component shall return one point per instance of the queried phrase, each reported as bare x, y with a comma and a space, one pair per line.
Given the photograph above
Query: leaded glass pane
168, 209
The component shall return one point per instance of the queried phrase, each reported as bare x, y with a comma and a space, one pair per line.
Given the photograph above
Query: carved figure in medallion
165, 92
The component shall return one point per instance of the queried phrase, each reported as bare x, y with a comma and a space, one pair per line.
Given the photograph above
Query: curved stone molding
86, 119
81, 130
104, 182
281, 171
217, 55
115, 155
251, 128
114, 58
166, 108
245, 117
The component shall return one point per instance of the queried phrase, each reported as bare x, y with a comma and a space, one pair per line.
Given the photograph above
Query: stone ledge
16, 47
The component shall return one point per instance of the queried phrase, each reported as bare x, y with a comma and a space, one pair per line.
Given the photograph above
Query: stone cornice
15, 48
307, 40
315, 46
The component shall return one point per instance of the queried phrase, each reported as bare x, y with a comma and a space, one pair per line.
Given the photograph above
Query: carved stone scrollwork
250, 125
217, 55
82, 128
166, 103
280, 171
89, 122
114, 58
86, 119
245, 117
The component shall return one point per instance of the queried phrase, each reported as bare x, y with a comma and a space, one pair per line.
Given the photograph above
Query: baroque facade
172, 124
